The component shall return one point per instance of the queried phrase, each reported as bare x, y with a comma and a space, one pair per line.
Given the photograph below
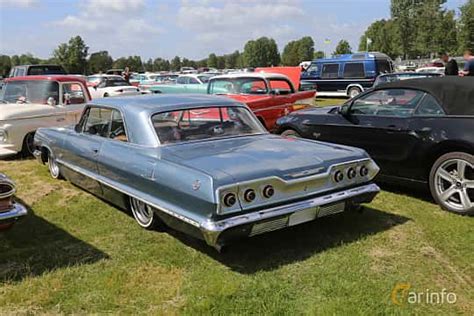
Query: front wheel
144, 214
28, 145
452, 182
291, 133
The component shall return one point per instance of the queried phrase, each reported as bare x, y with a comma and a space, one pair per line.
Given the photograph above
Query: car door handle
95, 151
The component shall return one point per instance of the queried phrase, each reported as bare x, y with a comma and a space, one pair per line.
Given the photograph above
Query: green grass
77, 254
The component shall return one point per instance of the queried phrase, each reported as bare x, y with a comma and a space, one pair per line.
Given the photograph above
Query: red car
269, 95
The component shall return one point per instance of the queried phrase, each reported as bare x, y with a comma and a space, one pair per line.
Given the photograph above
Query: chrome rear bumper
16, 212
322, 206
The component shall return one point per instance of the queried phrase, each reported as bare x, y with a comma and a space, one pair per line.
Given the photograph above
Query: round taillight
351, 173
338, 176
229, 199
268, 191
364, 171
249, 195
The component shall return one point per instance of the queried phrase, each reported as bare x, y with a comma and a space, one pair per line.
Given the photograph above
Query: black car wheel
28, 146
291, 133
145, 215
452, 182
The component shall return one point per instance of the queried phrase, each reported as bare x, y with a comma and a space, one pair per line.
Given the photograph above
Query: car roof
163, 102
455, 94
47, 77
259, 75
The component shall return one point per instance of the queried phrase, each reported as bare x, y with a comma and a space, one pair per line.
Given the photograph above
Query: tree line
421, 29
417, 28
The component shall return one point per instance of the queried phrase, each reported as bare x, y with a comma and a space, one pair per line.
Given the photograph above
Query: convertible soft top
455, 94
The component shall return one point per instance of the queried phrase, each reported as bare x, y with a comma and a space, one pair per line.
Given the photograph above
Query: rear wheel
452, 182
53, 167
353, 92
291, 133
144, 214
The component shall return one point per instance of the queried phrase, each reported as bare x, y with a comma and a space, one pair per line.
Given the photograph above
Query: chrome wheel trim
142, 212
53, 167
354, 92
453, 184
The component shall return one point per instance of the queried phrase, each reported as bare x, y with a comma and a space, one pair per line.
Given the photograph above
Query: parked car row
205, 164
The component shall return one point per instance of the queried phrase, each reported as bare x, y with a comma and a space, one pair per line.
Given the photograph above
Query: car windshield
116, 82
238, 86
32, 91
204, 124
204, 79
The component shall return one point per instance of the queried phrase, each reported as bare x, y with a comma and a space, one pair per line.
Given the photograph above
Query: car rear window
204, 123
46, 70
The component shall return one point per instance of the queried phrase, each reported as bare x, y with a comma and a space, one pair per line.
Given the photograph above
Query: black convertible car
420, 130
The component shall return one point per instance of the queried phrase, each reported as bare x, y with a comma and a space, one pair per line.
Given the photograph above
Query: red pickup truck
269, 95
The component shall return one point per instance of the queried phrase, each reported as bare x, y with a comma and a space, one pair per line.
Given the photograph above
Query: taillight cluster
249, 195
350, 173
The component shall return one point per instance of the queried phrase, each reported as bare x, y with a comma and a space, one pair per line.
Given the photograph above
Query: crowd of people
452, 68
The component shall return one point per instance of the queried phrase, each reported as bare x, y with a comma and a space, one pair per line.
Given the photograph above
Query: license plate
303, 216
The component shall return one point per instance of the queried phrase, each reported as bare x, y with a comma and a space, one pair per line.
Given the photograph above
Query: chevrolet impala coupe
204, 165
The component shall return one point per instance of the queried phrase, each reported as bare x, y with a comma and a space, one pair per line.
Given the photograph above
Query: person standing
126, 74
469, 66
450, 65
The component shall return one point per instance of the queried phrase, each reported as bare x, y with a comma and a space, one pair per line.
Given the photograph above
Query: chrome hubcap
142, 212
454, 184
53, 167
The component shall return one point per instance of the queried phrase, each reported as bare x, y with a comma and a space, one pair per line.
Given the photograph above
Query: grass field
77, 254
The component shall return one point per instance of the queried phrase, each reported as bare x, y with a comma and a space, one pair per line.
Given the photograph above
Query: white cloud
18, 3
109, 6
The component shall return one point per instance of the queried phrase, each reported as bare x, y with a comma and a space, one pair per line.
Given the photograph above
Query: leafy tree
343, 47
148, 65
383, 37
100, 62
262, 52
176, 63
73, 55
404, 13
5, 65
160, 64
319, 54
120, 63
466, 26
231, 60
298, 51
15, 60
212, 61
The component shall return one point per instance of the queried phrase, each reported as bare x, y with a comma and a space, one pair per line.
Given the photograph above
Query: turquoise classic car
192, 83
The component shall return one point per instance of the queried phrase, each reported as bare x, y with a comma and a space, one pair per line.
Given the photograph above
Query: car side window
280, 86
98, 121
181, 80
330, 71
117, 127
429, 106
313, 68
73, 93
389, 102
193, 81
354, 70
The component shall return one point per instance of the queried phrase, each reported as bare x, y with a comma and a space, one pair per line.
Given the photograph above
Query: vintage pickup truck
27, 103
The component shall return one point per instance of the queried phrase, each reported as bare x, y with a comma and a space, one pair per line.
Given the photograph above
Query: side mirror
344, 110
77, 128
51, 101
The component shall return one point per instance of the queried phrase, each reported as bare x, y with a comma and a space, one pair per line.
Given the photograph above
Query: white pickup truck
30, 102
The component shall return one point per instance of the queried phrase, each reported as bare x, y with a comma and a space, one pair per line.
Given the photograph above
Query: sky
187, 28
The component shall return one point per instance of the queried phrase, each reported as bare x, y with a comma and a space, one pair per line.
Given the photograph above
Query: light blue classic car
192, 83
204, 165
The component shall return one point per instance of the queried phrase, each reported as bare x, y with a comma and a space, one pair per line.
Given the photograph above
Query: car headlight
3, 136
